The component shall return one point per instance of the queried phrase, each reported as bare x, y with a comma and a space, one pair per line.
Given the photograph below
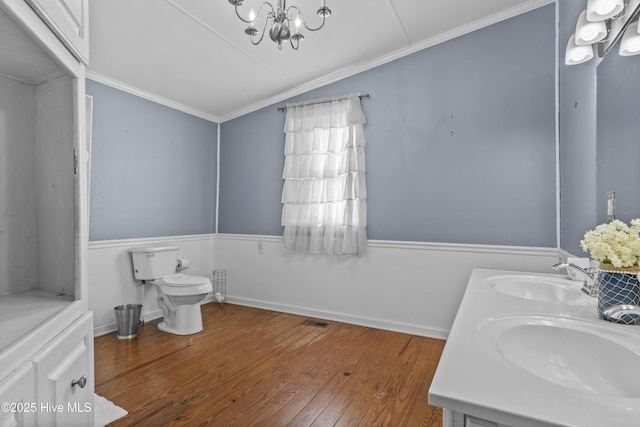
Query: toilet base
187, 320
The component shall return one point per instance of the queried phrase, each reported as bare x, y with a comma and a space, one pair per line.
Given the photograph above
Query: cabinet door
64, 376
17, 395
69, 19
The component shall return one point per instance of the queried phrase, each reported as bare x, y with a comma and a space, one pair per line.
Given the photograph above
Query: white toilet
179, 295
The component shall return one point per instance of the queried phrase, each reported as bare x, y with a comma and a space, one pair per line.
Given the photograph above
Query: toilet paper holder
182, 263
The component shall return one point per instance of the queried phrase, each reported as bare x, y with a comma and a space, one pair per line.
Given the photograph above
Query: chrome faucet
617, 311
590, 274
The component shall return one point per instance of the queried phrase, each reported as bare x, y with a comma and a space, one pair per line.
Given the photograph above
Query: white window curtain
325, 193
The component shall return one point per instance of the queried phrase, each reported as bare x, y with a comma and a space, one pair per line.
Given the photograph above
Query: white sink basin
536, 288
569, 353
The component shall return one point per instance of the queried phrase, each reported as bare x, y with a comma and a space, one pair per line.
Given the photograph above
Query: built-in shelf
23, 311
46, 339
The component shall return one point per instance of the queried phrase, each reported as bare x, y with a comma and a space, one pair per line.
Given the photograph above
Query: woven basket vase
618, 286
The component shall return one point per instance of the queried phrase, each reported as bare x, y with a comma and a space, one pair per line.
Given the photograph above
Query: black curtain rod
283, 109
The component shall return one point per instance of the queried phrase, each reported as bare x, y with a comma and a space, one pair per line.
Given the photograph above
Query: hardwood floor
251, 367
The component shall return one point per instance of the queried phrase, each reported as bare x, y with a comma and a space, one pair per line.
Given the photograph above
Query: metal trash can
128, 320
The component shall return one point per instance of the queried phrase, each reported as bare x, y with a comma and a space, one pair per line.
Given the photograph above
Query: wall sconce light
617, 17
588, 32
630, 44
577, 54
599, 10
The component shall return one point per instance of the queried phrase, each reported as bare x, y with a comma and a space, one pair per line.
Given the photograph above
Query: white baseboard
405, 328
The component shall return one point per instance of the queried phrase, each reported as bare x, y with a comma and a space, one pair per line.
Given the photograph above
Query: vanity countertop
474, 377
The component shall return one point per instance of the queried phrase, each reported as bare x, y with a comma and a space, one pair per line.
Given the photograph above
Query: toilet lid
180, 279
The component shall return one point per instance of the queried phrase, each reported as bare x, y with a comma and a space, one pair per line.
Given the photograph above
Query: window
325, 193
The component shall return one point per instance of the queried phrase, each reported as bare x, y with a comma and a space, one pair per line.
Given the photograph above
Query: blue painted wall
153, 170
619, 135
460, 143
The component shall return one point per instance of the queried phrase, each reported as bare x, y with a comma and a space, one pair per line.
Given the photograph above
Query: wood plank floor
252, 367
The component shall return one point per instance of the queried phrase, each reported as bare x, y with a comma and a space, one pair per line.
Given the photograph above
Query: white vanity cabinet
456, 419
46, 331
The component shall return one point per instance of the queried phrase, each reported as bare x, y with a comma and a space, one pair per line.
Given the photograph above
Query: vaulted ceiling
194, 54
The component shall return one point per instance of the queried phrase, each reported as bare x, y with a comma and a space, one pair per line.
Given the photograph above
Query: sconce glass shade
599, 10
589, 32
576, 54
630, 44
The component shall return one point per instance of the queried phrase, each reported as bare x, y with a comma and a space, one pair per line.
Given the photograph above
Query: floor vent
315, 323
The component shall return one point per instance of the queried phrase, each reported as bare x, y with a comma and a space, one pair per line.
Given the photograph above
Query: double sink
529, 349
571, 353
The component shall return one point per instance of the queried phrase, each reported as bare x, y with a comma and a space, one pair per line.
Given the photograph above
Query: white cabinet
46, 331
55, 386
64, 377
69, 19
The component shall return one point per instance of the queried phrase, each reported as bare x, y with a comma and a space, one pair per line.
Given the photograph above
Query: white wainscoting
409, 287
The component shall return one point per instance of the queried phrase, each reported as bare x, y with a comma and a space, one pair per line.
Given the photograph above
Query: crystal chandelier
279, 19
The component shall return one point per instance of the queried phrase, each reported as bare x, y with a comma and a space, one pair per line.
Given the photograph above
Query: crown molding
330, 78
91, 75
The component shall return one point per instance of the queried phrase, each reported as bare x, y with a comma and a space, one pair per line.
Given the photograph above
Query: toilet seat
180, 279
183, 284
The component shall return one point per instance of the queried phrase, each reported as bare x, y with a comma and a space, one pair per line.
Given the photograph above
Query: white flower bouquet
614, 243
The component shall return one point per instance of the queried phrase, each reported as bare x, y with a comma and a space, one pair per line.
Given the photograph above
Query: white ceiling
195, 56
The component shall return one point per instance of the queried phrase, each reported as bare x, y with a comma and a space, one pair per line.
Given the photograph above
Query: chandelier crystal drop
284, 23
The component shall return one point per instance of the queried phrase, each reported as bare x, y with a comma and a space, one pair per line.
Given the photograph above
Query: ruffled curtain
325, 192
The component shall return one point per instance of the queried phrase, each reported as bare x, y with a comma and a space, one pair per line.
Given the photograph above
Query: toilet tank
154, 262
